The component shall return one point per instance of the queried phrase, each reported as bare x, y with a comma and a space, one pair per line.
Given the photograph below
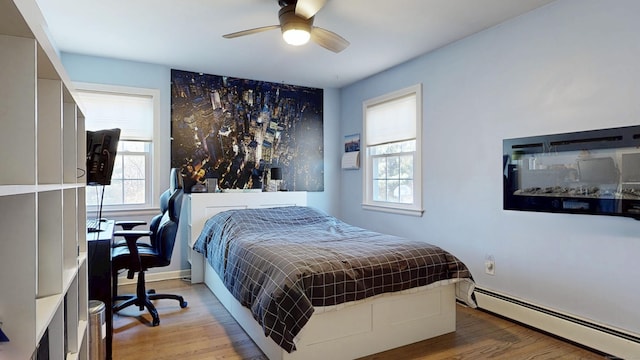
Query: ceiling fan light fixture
296, 37
296, 23
295, 30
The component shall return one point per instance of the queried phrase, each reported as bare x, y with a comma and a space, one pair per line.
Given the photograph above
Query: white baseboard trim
606, 339
156, 276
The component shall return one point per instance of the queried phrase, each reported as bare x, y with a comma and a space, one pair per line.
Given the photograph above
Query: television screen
101, 155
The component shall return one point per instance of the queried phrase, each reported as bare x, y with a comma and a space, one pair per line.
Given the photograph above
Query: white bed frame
343, 332
365, 328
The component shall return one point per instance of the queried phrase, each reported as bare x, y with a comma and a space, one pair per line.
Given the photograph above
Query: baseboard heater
602, 338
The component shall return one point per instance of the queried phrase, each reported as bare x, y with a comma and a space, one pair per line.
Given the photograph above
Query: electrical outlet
490, 265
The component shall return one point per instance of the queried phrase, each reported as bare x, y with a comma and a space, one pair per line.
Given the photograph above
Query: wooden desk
99, 267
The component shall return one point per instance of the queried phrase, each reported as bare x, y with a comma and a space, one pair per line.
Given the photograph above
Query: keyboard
93, 225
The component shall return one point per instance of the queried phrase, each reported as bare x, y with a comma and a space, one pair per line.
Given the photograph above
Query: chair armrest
132, 236
130, 224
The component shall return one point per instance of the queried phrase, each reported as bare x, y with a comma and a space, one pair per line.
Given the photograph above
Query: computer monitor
101, 155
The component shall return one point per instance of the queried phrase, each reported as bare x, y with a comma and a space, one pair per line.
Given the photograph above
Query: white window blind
136, 112
391, 121
133, 114
392, 171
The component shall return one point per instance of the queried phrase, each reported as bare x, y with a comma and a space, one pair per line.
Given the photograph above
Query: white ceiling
187, 34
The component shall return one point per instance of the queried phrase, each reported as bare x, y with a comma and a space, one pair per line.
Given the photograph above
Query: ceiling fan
296, 22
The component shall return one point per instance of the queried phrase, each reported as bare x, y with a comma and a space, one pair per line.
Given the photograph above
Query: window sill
393, 210
108, 213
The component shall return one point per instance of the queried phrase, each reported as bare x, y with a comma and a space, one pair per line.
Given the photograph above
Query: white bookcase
43, 250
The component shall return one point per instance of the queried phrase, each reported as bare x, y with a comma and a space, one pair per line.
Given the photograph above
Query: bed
305, 285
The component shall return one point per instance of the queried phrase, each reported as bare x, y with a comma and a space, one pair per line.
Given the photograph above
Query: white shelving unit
43, 250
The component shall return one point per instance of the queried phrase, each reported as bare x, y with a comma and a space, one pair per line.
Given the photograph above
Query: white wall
569, 66
90, 69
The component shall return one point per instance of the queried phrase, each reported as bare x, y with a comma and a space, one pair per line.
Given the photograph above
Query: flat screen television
101, 155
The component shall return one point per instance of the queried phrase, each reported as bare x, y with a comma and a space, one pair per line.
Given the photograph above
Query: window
135, 112
392, 134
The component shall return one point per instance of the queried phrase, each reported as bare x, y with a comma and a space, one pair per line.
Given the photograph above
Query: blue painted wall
569, 66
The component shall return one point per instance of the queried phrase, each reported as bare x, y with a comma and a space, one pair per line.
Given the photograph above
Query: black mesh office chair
138, 257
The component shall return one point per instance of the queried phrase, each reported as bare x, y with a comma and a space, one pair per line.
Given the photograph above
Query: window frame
415, 208
152, 186
148, 160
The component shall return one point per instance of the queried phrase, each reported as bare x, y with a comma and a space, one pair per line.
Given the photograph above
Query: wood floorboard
205, 330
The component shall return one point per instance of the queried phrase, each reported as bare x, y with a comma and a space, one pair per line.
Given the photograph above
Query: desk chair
175, 182
138, 258
153, 225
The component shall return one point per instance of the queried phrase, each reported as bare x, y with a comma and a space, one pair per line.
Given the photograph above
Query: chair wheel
156, 322
183, 304
151, 291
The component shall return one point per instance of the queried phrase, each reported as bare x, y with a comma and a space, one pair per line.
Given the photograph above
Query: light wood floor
204, 330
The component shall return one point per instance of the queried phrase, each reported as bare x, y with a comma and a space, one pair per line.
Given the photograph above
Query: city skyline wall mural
235, 130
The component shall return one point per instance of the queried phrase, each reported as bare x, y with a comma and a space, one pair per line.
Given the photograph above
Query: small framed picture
352, 143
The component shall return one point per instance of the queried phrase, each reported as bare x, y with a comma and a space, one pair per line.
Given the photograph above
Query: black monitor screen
101, 155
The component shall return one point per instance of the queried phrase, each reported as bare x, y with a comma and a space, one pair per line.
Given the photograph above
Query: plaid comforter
281, 262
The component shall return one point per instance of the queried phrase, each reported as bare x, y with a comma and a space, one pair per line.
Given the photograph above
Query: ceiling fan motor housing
289, 20
284, 3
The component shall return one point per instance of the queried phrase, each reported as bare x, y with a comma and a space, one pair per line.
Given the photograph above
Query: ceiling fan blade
308, 8
328, 39
250, 31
